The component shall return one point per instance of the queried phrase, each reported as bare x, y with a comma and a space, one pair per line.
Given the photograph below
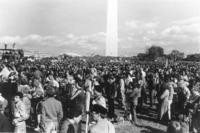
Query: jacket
51, 110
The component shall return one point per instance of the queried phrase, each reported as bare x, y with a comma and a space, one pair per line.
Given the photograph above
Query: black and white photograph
99, 66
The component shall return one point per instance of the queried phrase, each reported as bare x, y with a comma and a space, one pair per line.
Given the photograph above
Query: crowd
61, 95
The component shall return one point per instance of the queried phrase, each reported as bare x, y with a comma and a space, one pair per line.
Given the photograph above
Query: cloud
188, 21
54, 45
173, 30
183, 35
139, 29
186, 27
136, 24
132, 24
140, 35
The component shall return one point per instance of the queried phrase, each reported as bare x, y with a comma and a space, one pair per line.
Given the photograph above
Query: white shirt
5, 73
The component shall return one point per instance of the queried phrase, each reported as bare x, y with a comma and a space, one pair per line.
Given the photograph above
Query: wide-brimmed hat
99, 109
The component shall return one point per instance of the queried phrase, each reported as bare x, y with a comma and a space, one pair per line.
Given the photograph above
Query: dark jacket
111, 90
5, 125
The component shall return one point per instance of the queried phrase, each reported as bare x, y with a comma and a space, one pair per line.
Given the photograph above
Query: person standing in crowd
151, 87
102, 125
53, 82
37, 96
19, 114
4, 74
5, 125
72, 121
24, 88
122, 91
38, 90
183, 95
111, 94
89, 88
128, 90
98, 98
164, 99
132, 100
37, 74
171, 85
143, 98
3, 104
27, 102
89, 85
192, 108
52, 112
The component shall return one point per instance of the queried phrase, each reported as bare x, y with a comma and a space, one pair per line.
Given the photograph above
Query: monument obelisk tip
112, 28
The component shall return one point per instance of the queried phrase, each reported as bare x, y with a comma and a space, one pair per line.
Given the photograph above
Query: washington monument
112, 29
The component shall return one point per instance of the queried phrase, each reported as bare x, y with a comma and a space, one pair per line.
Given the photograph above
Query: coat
51, 110
164, 102
52, 113
5, 125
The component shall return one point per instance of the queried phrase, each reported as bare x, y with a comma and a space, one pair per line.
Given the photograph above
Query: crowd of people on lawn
74, 96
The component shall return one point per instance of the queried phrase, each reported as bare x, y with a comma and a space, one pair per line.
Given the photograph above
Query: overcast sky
79, 26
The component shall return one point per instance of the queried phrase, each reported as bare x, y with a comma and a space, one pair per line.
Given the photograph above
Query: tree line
155, 53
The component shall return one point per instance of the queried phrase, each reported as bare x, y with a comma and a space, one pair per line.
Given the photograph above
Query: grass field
146, 123
144, 127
